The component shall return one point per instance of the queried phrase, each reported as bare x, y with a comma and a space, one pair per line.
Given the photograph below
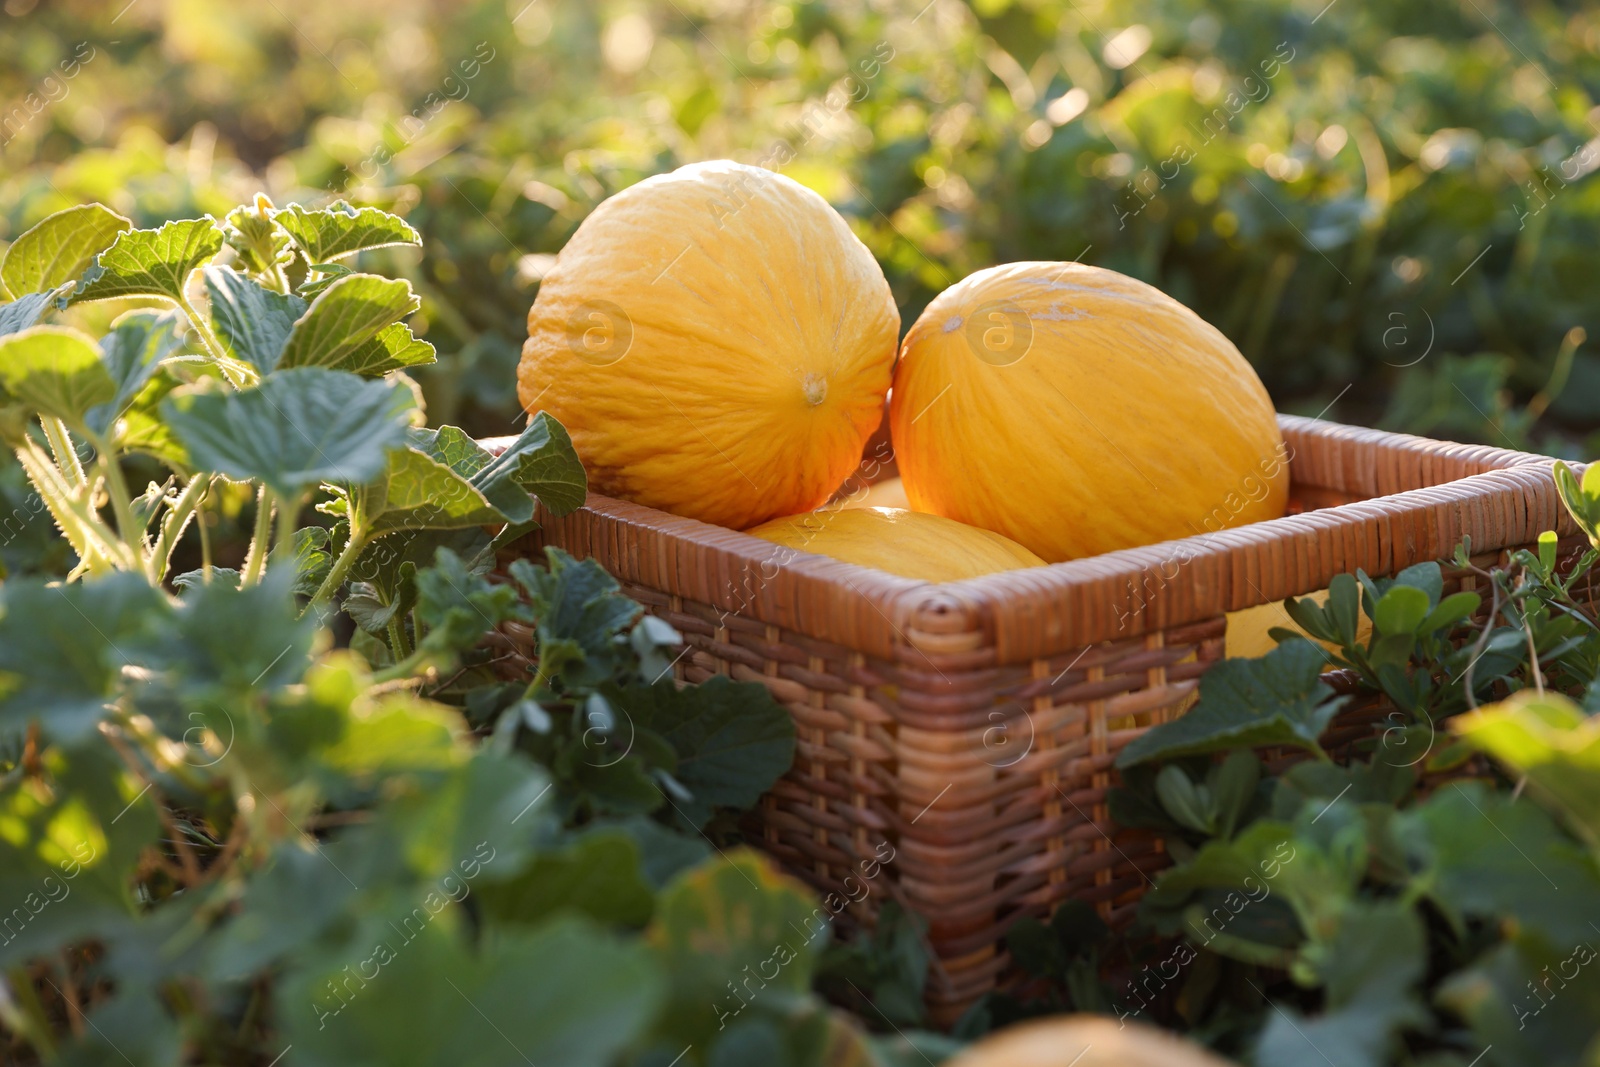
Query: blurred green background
1389, 207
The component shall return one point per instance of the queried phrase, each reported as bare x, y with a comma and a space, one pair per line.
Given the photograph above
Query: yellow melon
1078, 411
907, 543
716, 341
1084, 1041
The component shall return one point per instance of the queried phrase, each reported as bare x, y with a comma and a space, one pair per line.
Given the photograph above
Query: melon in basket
907, 543
717, 342
1085, 1041
1078, 411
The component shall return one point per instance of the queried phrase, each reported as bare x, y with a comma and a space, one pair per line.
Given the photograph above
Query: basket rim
1504, 498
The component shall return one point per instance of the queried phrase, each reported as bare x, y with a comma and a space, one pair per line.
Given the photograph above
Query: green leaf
1400, 610
238, 640
1451, 610
733, 919
56, 371
1551, 741
132, 353
23, 312
580, 612
297, 428
733, 740
598, 876
1532, 1002
540, 461
62, 649
1370, 969
568, 994
663, 853
151, 262
1279, 699
59, 248
1486, 856
421, 491
394, 348
252, 321
341, 230
69, 851
458, 606
345, 318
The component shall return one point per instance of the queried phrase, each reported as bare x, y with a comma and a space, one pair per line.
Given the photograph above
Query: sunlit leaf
131, 353
341, 230
59, 248
151, 262
348, 315
56, 371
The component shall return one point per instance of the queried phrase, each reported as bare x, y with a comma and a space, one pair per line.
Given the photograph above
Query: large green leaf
734, 919
344, 319
252, 321
1551, 741
63, 647
567, 994
67, 852
23, 312
420, 492
733, 740
59, 248
131, 353
297, 428
1530, 1002
598, 875
540, 461
1369, 967
55, 370
1279, 699
1489, 857
580, 612
394, 348
151, 262
341, 230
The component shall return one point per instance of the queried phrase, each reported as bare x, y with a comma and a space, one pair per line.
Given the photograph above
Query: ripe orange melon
717, 342
907, 543
1084, 1041
1078, 411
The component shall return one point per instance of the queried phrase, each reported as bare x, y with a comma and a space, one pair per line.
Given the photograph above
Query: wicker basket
956, 741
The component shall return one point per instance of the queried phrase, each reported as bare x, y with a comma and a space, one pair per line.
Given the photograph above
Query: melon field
1000, 533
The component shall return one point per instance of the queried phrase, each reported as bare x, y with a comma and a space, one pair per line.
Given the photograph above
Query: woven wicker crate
967, 731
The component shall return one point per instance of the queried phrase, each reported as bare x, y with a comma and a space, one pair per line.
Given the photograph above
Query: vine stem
341, 566
90, 537
288, 512
256, 560
203, 327
172, 527
55, 431
117, 488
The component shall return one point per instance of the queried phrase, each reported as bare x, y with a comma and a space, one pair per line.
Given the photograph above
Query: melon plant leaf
580, 613
421, 492
344, 318
142, 428
1279, 699
68, 854
732, 738
23, 312
1534, 1002
341, 230
663, 853
151, 262
252, 321
440, 1004
295, 429
541, 461
62, 649
55, 370
249, 229
1552, 742
598, 876
59, 248
394, 348
226, 639
132, 353
733, 912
